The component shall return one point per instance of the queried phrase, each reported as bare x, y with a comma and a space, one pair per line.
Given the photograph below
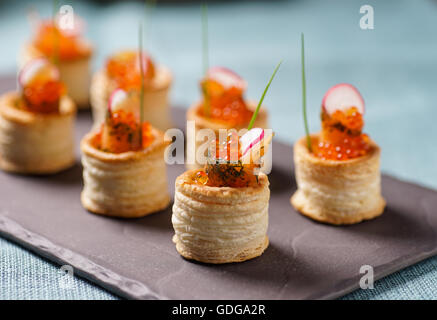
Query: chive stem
304, 95
205, 53
255, 114
140, 58
148, 8
56, 38
54, 10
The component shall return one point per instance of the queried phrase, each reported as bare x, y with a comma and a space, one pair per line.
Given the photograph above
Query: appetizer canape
37, 123
337, 170
223, 105
124, 169
69, 51
220, 213
122, 70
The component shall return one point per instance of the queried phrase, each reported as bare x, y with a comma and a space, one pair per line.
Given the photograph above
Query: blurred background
394, 65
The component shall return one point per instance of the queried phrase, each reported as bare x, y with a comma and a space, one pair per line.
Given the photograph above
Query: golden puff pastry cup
75, 73
220, 225
156, 98
337, 192
127, 185
202, 122
36, 143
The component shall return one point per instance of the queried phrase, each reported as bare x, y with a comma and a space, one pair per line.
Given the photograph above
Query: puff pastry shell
156, 104
206, 123
220, 225
76, 74
126, 185
36, 143
337, 192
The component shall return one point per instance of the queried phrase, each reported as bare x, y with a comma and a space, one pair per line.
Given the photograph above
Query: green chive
304, 95
56, 40
140, 55
205, 37
255, 114
54, 9
205, 52
148, 7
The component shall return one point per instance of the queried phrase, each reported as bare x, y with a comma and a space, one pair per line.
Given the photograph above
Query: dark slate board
137, 259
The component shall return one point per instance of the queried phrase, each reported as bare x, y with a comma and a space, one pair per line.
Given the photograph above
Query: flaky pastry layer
126, 185
337, 192
220, 225
36, 143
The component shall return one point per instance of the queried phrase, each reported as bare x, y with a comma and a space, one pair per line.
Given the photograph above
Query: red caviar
53, 43
341, 137
227, 171
224, 104
124, 68
43, 96
229, 149
121, 133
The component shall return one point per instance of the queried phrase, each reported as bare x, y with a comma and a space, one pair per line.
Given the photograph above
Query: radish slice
250, 139
342, 97
117, 99
226, 78
251, 144
40, 67
121, 100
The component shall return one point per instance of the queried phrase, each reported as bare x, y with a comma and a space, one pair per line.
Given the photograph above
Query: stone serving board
136, 258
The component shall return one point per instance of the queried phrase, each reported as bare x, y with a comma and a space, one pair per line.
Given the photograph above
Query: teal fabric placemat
394, 66
25, 275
